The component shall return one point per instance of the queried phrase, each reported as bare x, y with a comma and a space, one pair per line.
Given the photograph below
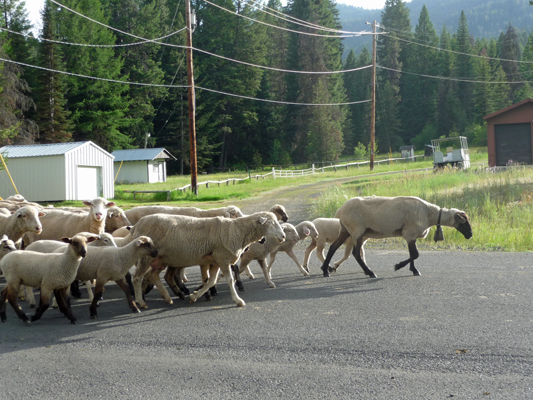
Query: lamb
50, 246
328, 231
364, 218
185, 241
304, 229
53, 273
112, 264
136, 213
260, 251
59, 223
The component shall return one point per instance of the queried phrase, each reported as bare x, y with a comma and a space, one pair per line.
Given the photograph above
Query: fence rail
276, 173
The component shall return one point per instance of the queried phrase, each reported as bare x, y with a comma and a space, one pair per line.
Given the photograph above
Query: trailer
458, 157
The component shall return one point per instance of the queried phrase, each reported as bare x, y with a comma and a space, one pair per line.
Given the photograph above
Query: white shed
58, 171
141, 165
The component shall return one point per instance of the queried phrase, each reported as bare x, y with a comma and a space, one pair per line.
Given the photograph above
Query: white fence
276, 173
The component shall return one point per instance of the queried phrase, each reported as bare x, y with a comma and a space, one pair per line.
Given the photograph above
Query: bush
360, 151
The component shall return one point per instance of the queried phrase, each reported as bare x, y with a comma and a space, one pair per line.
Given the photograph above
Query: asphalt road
463, 329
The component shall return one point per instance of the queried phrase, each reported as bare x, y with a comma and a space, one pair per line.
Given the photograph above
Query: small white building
141, 165
57, 171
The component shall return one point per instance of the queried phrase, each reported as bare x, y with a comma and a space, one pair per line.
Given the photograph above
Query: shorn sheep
328, 231
374, 217
116, 218
53, 273
136, 213
59, 223
24, 220
260, 251
186, 241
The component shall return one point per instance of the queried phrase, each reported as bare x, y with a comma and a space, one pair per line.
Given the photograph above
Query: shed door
513, 142
87, 183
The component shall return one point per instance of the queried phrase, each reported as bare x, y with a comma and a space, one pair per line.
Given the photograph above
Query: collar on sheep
439, 235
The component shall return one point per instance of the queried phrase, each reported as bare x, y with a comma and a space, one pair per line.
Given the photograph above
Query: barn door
513, 143
88, 182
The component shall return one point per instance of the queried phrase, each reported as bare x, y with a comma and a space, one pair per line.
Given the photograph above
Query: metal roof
39, 150
142, 154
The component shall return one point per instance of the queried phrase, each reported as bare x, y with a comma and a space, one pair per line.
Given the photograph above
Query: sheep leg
30, 297
12, 297
293, 256
309, 249
131, 303
347, 251
171, 275
59, 303
343, 235
75, 289
359, 254
211, 281
413, 255
98, 290
143, 266
180, 278
43, 304
63, 302
264, 267
244, 268
154, 276
237, 277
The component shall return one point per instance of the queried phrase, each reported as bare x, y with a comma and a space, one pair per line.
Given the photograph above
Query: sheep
15, 205
185, 241
260, 251
328, 231
112, 264
59, 223
364, 218
136, 213
115, 219
122, 232
24, 220
304, 229
53, 273
6, 246
17, 197
50, 246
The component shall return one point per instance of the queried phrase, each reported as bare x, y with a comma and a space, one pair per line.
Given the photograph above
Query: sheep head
28, 218
462, 224
79, 243
98, 207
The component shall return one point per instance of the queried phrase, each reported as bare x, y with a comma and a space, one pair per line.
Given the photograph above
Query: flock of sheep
54, 248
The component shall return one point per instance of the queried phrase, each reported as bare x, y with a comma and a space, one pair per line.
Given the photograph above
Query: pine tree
52, 117
99, 107
511, 51
464, 67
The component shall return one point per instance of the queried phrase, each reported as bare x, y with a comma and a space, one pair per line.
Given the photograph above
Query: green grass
499, 204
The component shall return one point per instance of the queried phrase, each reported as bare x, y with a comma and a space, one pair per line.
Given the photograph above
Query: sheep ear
87, 203
227, 215
41, 214
4, 237
262, 220
307, 232
66, 240
110, 204
93, 238
461, 217
129, 227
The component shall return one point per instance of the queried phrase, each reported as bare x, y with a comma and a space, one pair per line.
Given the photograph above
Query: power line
209, 53
285, 29
447, 78
179, 86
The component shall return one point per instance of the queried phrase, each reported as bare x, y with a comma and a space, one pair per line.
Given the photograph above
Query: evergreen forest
273, 83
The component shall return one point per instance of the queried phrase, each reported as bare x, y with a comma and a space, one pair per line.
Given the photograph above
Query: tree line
140, 94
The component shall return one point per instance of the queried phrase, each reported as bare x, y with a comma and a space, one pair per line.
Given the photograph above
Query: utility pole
192, 102
373, 99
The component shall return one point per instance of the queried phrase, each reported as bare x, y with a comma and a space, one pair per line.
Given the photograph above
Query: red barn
509, 134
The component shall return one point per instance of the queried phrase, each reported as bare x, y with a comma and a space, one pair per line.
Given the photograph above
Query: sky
34, 7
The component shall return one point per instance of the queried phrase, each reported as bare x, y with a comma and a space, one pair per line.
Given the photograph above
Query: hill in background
486, 18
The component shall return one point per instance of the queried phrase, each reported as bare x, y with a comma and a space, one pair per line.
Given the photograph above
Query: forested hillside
272, 86
486, 18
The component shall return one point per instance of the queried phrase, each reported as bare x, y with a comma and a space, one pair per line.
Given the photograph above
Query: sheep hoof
94, 316
306, 268
272, 285
416, 273
240, 303
27, 322
143, 306
169, 301
73, 322
325, 271
136, 311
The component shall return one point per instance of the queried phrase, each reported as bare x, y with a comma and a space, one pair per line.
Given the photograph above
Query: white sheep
116, 218
136, 213
260, 251
24, 220
122, 232
185, 241
51, 246
60, 223
373, 217
112, 264
6, 246
328, 231
53, 273
304, 229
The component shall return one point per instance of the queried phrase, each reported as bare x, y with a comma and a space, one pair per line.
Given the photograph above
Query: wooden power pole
192, 102
373, 99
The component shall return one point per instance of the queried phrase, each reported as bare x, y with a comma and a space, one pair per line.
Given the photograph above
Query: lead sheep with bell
375, 217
